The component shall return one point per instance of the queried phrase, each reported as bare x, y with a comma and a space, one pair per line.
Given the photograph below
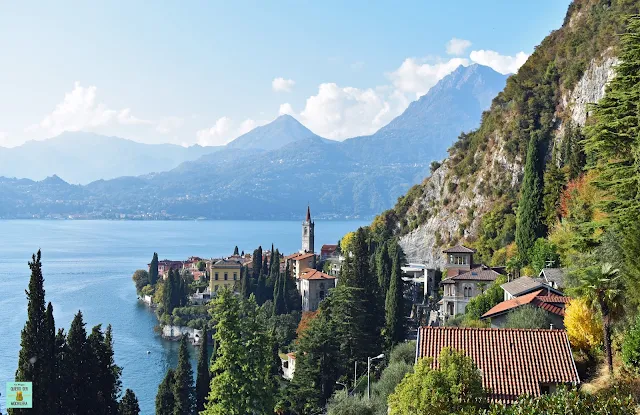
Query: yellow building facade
224, 273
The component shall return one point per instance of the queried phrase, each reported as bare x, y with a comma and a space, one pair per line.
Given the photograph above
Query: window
321, 295
226, 276
216, 276
235, 276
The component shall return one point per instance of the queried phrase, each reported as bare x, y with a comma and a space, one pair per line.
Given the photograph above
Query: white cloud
457, 46
417, 78
341, 112
80, 110
500, 63
286, 108
282, 85
226, 130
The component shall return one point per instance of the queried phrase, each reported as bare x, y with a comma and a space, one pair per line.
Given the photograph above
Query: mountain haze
80, 157
274, 170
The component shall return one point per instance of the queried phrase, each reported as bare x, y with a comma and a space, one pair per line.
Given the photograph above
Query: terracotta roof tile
513, 362
511, 304
300, 257
459, 249
546, 302
312, 274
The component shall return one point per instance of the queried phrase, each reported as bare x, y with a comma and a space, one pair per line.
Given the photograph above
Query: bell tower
307, 233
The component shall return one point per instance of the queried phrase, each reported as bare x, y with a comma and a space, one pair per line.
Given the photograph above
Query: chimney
551, 326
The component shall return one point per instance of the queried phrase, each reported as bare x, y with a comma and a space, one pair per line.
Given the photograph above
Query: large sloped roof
513, 362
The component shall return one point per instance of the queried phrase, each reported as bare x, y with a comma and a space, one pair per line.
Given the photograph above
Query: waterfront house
552, 304
224, 273
513, 362
314, 287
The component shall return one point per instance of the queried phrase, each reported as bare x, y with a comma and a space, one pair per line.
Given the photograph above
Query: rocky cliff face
449, 222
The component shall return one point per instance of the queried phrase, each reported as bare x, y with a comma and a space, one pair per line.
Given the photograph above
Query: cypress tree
554, 182
256, 263
529, 218
235, 250
32, 364
279, 296
167, 294
153, 269
77, 395
383, 267
291, 294
129, 404
394, 305
62, 374
183, 392
265, 267
49, 383
245, 287
261, 288
164, 398
112, 372
202, 377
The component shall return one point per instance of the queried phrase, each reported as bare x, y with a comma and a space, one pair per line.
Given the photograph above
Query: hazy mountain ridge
81, 157
255, 178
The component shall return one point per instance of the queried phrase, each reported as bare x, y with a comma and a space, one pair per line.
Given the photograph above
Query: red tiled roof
459, 249
513, 362
481, 273
533, 298
312, 274
300, 257
327, 247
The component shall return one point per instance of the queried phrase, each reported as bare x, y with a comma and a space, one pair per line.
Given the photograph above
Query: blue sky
189, 72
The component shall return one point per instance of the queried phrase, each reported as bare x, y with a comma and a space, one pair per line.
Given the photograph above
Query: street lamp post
369, 359
346, 390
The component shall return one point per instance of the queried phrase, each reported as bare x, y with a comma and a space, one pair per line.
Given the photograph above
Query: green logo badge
19, 395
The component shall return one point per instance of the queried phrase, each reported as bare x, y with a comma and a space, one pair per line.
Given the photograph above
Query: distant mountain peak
54, 180
278, 133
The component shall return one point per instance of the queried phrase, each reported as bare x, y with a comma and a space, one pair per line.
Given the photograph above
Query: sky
205, 72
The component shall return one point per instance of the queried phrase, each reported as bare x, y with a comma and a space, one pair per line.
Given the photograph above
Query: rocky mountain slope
472, 197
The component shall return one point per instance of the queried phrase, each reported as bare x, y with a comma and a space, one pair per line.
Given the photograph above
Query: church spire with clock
307, 233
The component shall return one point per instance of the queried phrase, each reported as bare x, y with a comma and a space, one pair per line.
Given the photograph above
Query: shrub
403, 352
631, 347
528, 317
583, 327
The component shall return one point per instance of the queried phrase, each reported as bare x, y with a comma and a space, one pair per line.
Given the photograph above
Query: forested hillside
528, 148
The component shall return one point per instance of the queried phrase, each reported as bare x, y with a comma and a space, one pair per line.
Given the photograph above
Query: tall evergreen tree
129, 404
165, 401
245, 287
356, 274
256, 263
612, 144
153, 269
554, 182
183, 392
49, 376
383, 267
280, 295
529, 218
241, 381
104, 374
291, 293
168, 294
394, 305
235, 250
202, 377
77, 394
32, 359
62, 375
261, 288
319, 364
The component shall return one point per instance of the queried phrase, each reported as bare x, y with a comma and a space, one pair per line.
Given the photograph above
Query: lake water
87, 266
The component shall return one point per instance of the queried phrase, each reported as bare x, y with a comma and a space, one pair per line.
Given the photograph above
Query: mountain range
274, 170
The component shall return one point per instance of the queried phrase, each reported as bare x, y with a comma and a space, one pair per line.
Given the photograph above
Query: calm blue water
88, 265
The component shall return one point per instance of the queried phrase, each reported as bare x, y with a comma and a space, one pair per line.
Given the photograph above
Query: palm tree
601, 288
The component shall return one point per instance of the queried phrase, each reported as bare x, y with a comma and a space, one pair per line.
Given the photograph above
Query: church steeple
307, 233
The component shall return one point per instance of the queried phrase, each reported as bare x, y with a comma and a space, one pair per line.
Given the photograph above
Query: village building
554, 277
288, 365
525, 285
328, 251
420, 274
224, 273
552, 304
513, 362
314, 287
